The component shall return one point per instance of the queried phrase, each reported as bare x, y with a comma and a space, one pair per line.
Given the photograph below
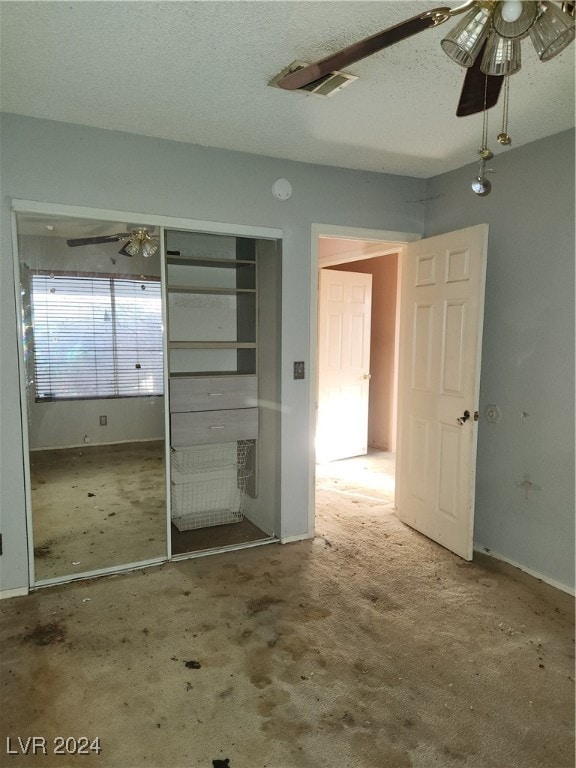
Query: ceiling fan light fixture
552, 32
149, 248
514, 28
132, 247
140, 244
501, 56
464, 42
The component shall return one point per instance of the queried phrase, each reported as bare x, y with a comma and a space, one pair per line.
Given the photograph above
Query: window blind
96, 337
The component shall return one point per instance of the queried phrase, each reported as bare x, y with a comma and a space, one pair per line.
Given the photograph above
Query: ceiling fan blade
387, 37
98, 240
476, 86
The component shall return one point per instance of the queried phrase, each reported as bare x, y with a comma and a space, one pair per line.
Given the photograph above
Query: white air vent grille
324, 86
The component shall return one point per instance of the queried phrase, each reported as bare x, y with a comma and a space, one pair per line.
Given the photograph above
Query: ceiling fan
486, 41
139, 242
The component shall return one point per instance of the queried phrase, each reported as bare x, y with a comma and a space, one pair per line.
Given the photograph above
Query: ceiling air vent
324, 86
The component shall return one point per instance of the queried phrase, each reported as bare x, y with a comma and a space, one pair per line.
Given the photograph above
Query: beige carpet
367, 647
98, 506
105, 506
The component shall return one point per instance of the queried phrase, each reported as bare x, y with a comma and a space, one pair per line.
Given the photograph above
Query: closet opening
223, 327
149, 360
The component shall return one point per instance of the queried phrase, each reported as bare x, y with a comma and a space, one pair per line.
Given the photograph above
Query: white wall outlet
492, 414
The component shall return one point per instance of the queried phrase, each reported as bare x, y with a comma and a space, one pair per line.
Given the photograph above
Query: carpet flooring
368, 646
97, 507
105, 506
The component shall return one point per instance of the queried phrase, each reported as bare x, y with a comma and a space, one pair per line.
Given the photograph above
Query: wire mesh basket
209, 498
210, 456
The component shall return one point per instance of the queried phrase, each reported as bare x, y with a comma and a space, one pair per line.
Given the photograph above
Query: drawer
212, 393
213, 426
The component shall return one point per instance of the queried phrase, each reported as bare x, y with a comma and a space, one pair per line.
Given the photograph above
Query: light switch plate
299, 372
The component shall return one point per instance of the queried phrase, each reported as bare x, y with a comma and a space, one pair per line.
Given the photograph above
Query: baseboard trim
5, 594
300, 537
553, 583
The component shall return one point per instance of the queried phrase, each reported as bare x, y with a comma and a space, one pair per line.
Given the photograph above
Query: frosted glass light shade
132, 247
501, 55
149, 249
464, 42
552, 31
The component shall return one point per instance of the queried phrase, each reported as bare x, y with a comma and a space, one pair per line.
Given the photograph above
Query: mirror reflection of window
96, 337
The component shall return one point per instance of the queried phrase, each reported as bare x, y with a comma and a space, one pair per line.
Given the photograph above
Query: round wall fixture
282, 189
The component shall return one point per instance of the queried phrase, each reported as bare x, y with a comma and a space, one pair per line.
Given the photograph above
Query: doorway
362, 466
439, 351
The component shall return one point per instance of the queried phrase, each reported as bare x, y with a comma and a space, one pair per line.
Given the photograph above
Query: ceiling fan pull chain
503, 137
485, 116
481, 186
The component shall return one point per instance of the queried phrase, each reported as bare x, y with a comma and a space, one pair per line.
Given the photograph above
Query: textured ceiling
198, 71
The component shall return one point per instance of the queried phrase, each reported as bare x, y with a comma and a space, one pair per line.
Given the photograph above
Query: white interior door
345, 301
441, 323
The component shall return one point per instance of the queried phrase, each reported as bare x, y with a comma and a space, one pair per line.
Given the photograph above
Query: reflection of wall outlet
492, 414
103, 421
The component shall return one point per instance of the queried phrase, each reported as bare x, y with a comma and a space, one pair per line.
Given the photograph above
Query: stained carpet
367, 647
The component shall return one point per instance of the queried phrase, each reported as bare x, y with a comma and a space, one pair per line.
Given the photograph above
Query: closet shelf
204, 374
212, 345
205, 261
196, 289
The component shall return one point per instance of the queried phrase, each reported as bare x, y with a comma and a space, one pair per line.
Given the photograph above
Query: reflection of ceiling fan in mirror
486, 41
139, 242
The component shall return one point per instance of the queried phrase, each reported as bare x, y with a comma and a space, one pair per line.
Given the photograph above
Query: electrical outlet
103, 421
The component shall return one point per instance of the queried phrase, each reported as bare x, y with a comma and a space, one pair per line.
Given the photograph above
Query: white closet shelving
212, 336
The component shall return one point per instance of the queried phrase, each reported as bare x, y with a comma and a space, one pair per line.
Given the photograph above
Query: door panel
441, 337
345, 300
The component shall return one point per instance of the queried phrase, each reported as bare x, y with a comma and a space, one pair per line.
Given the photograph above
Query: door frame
399, 239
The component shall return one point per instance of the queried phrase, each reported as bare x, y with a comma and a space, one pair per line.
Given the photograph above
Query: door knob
465, 416
367, 376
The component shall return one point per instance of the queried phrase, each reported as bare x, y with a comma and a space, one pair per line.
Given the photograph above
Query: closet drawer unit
213, 426
212, 393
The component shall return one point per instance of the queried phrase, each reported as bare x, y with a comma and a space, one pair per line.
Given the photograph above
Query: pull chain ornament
481, 186
504, 138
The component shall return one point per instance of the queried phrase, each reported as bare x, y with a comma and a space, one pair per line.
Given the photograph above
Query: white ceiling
198, 72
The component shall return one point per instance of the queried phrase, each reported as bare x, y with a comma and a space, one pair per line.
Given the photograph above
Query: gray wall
528, 349
70, 164
528, 356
